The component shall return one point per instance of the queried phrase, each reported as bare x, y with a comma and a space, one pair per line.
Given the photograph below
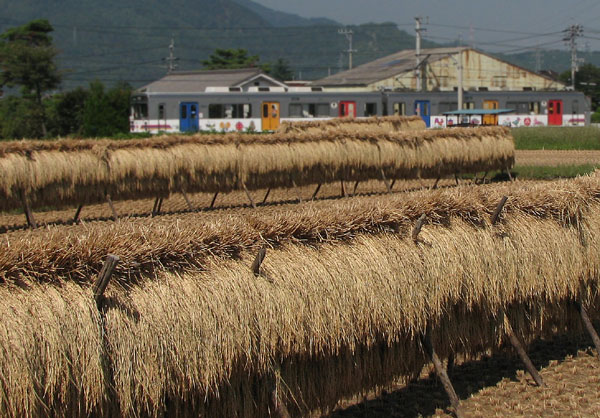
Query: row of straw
384, 124
84, 172
322, 321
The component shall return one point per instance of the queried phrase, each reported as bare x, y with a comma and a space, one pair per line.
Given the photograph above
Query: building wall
479, 71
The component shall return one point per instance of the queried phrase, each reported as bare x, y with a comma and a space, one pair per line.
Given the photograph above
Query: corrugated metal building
439, 72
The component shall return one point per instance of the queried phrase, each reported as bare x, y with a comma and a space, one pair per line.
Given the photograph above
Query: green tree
281, 70
65, 112
587, 80
27, 60
230, 59
106, 113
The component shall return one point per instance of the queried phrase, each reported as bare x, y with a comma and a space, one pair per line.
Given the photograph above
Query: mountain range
128, 40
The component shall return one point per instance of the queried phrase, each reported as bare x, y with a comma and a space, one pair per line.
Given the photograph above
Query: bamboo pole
266, 196
387, 185
77, 213
187, 201
435, 184
104, 277
510, 177
316, 191
212, 203
155, 208
441, 373
249, 197
522, 353
589, 326
343, 191
498, 210
355, 186
28, 213
112, 207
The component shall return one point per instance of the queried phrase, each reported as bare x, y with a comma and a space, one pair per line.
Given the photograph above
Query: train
264, 108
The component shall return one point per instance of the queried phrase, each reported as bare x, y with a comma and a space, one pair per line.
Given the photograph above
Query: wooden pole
589, 326
316, 191
387, 185
266, 196
510, 177
28, 213
442, 374
392, 185
343, 189
155, 209
212, 203
496, 214
260, 256
187, 201
417, 229
435, 184
355, 186
456, 179
104, 277
249, 197
299, 195
112, 207
160, 202
77, 213
521, 351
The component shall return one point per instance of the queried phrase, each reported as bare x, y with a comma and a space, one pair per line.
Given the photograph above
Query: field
195, 322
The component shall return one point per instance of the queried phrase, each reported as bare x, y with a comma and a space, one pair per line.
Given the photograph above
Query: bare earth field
556, 157
498, 386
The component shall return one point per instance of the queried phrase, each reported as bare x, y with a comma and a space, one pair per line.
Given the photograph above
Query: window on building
140, 111
229, 111
370, 109
161, 111
400, 108
499, 81
308, 110
482, 89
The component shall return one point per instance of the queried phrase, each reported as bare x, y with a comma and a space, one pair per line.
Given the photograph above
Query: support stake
417, 229
258, 261
316, 191
266, 196
435, 184
387, 185
28, 213
249, 197
510, 177
299, 195
588, 326
104, 277
156, 208
212, 203
112, 207
392, 185
77, 213
496, 214
280, 409
187, 201
442, 374
456, 179
343, 189
521, 351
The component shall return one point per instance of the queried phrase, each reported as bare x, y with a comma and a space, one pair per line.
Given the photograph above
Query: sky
503, 26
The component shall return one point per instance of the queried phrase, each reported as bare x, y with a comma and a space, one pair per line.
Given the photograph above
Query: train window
575, 107
229, 111
519, 107
183, 112
400, 108
308, 110
534, 108
447, 106
161, 111
370, 109
468, 105
140, 110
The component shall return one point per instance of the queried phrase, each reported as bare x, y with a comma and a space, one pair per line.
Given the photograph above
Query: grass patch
557, 138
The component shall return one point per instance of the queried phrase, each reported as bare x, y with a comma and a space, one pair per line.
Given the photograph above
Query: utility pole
538, 59
418, 30
171, 59
571, 34
348, 33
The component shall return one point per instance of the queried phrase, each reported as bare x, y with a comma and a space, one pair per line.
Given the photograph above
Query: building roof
198, 81
386, 67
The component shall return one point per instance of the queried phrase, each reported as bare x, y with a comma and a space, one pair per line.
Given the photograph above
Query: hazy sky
513, 24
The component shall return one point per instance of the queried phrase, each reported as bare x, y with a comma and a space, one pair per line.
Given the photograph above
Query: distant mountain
129, 39
281, 19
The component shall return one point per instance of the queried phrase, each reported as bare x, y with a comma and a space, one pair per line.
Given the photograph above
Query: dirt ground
498, 387
555, 158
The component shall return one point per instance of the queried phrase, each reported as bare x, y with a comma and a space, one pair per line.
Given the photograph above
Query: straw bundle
337, 318
369, 125
83, 172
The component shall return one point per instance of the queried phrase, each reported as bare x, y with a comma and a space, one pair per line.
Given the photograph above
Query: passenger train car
263, 108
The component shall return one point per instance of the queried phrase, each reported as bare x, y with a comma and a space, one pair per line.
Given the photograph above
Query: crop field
338, 308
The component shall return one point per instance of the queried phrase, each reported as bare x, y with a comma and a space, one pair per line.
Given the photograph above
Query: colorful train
263, 109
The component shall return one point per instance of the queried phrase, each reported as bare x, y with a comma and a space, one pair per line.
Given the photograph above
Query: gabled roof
386, 67
198, 81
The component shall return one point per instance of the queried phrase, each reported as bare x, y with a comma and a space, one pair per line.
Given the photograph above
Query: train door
490, 119
347, 109
270, 116
423, 109
188, 117
555, 112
